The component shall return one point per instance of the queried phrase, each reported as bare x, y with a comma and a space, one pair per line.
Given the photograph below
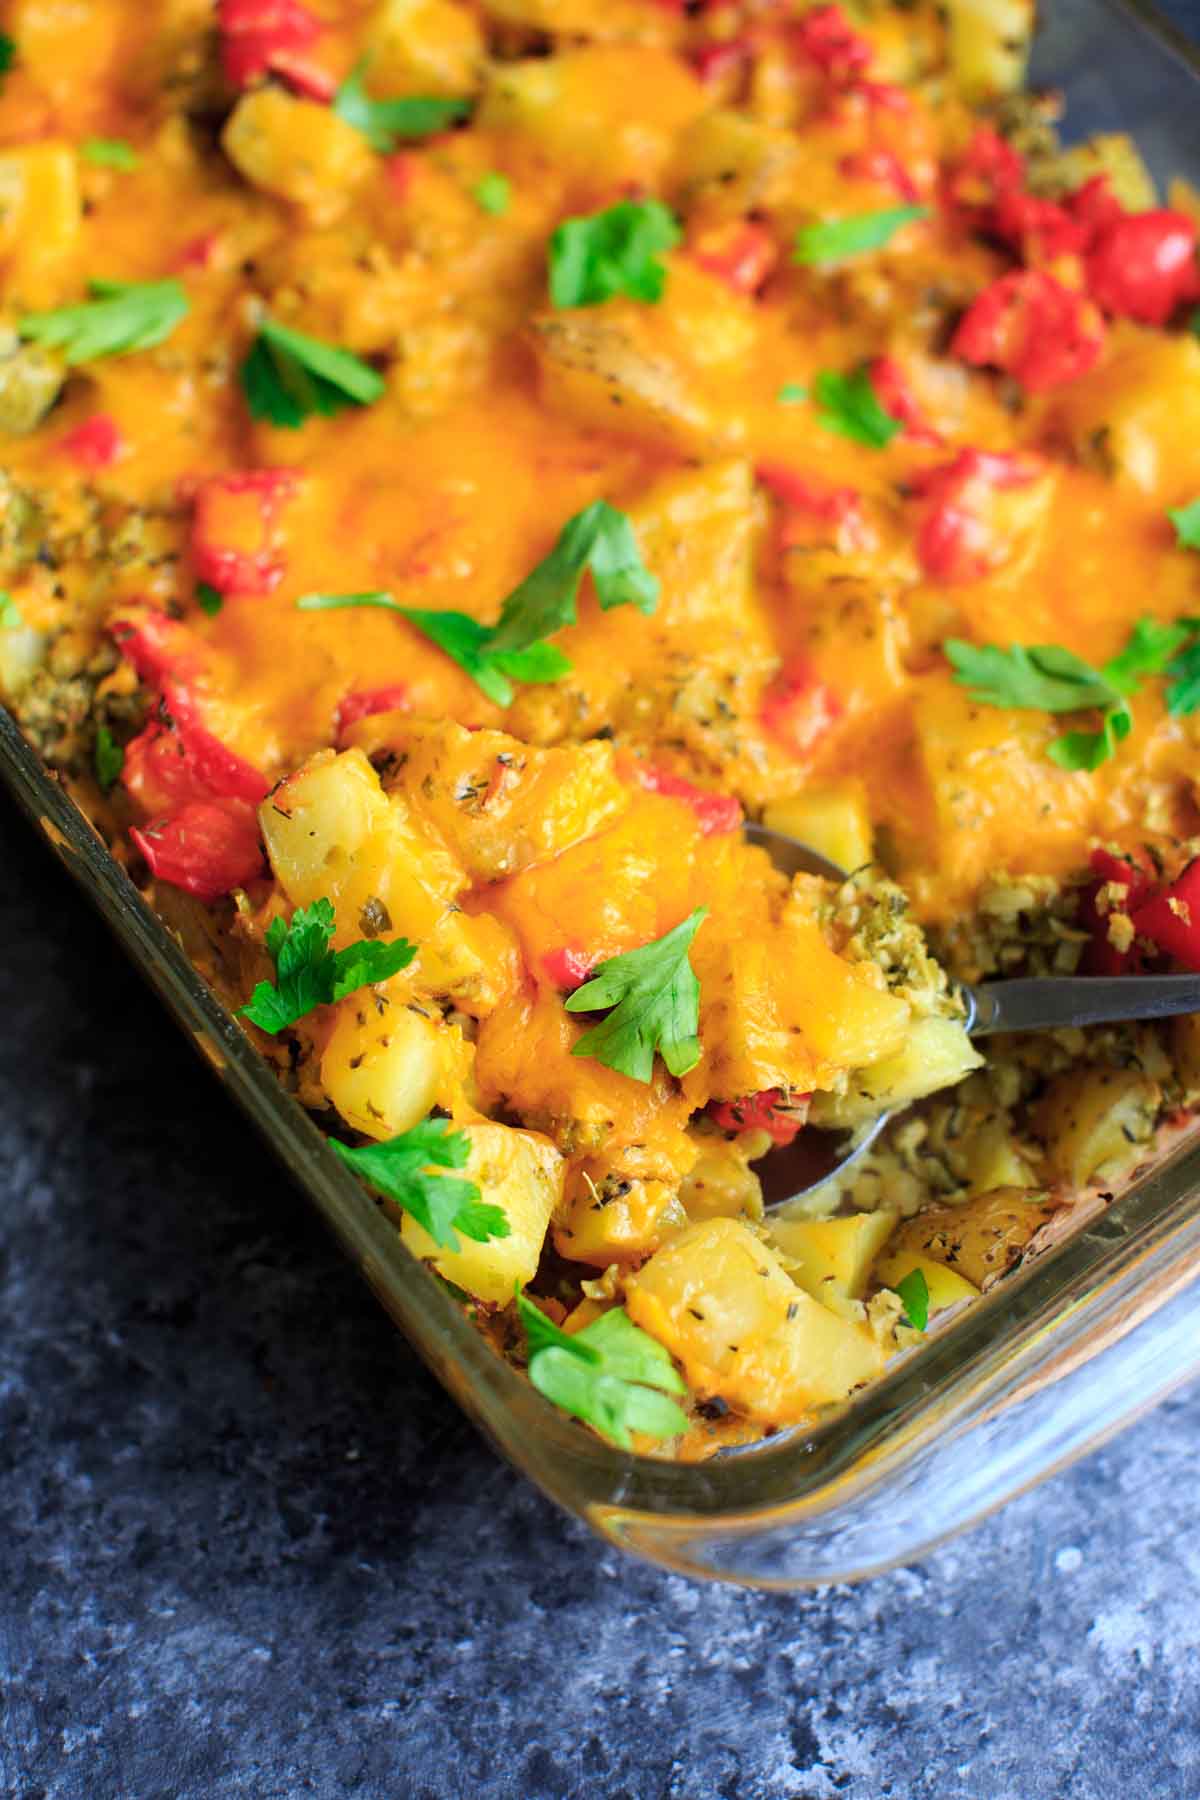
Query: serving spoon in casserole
1024, 1003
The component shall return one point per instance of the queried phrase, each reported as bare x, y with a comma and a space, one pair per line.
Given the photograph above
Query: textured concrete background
249, 1549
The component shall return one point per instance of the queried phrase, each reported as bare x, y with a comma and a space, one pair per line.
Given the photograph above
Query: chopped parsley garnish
792, 393
384, 122
108, 758
122, 316
209, 599
655, 1000
309, 972
1186, 520
492, 193
610, 1374
599, 538
110, 153
617, 251
8, 55
288, 376
10, 612
406, 1170
833, 240
914, 1292
1047, 678
850, 406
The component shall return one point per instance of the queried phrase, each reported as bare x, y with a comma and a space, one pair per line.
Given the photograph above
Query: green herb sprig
407, 1169
309, 972
610, 1374
654, 998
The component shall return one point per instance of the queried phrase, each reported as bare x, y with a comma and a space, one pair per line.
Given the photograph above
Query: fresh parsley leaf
833, 240
310, 973
610, 1374
108, 758
209, 599
792, 393
405, 1170
655, 1002
617, 251
1036, 677
914, 1292
599, 538
1186, 520
288, 376
384, 122
850, 406
1047, 678
1183, 689
8, 54
10, 612
110, 153
122, 316
492, 193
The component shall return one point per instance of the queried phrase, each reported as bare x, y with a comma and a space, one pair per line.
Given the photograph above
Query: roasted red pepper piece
1143, 266
954, 542
712, 62
798, 708
265, 37
826, 37
1034, 328
1037, 230
568, 968
94, 443
809, 496
207, 848
160, 648
896, 397
773, 1110
1171, 919
237, 546
364, 703
742, 254
716, 812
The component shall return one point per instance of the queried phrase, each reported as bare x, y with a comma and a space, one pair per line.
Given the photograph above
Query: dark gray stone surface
250, 1549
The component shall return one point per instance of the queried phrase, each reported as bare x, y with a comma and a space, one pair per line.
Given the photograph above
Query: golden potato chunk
982, 1238
522, 1174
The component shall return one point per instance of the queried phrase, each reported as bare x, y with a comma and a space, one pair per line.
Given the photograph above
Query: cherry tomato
742, 254
567, 968
882, 166
365, 703
773, 1110
236, 542
955, 541
207, 848
1034, 328
1137, 878
264, 37
896, 397
94, 443
1143, 266
798, 708
1171, 919
716, 812
826, 37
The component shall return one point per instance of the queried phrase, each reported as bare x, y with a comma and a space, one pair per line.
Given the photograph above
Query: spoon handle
1047, 1002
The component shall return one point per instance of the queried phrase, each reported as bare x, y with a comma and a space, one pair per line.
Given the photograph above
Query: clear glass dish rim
950, 1377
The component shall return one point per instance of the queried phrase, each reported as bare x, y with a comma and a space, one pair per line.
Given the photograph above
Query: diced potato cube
720, 1183
989, 45
595, 370
41, 211
831, 817
604, 1225
735, 163
298, 150
946, 1286
576, 107
30, 381
1112, 154
424, 46
502, 805
936, 1053
981, 1238
523, 1174
722, 1303
387, 1062
831, 1258
993, 1160
1096, 1123
1137, 417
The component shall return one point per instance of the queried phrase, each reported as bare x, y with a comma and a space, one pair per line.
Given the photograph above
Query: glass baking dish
1059, 1357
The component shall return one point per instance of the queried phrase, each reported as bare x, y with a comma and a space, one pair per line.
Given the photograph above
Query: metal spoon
1029, 1003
